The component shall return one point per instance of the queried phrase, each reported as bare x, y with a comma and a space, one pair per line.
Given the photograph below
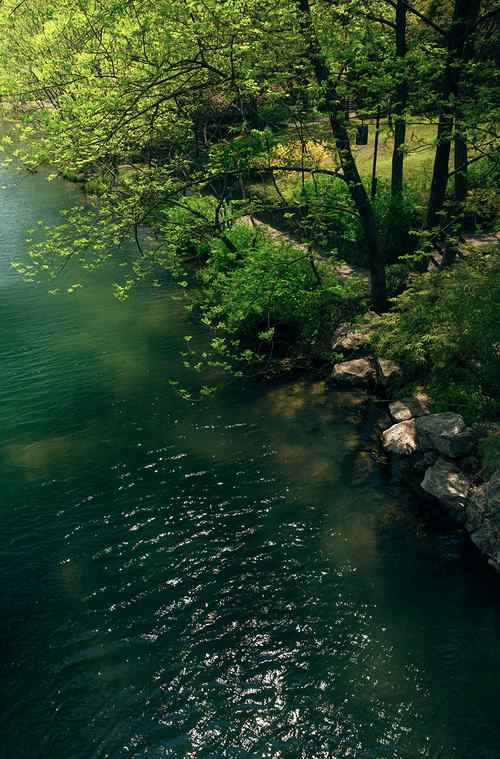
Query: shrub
266, 299
396, 220
489, 450
273, 113
331, 220
397, 277
444, 327
484, 173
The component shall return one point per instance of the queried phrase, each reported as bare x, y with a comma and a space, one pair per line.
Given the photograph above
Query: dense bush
489, 450
444, 328
331, 221
485, 172
267, 298
397, 218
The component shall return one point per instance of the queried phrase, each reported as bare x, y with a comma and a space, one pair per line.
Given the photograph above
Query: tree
155, 104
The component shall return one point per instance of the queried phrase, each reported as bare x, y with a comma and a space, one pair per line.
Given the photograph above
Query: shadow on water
231, 579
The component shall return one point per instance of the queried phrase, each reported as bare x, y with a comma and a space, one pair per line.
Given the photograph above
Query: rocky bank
437, 450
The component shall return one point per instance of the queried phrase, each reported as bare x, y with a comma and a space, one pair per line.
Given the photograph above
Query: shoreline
437, 452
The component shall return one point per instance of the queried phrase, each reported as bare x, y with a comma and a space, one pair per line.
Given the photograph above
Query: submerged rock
450, 486
358, 372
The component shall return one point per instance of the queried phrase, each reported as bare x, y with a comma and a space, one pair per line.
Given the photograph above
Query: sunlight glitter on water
236, 579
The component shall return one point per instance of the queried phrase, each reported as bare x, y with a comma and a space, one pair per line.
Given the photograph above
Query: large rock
484, 502
357, 373
455, 446
450, 486
483, 519
403, 410
389, 372
487, 539
445, 433
433, 426
441, 432
401, 438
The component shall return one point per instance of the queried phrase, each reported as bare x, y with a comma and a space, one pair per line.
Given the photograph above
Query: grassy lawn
420, 139
420, 146
420, 150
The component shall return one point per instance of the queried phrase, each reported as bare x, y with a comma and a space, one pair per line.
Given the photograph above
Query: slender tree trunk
400, 105
461, 176
347, 162
375, 157
465, 14
440, 170
450, 250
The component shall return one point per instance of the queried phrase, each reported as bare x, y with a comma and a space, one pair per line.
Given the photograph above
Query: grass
420, 140
420, 146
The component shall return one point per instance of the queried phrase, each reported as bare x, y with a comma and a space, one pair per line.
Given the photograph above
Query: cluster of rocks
439, 446
364, 372
367, 372
443, 446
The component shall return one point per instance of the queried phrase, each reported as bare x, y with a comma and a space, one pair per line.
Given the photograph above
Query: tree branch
420, 15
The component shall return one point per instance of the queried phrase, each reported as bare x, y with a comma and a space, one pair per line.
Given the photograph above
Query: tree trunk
373, 192
460, 193
465, 15
400, 105
440, 170
347, 162
461, 178
366, 214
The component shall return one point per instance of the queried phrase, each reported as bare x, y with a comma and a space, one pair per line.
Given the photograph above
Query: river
232, 579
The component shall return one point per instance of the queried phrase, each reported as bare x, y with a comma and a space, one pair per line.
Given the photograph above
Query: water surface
235, 579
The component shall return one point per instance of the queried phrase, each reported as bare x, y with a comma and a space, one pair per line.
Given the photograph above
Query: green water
236, 579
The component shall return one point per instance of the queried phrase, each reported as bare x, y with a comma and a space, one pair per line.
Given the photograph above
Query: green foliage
489, 450
485, 172
330, 220
273, 113
444, 328
265, 300
397, 220
154, 106
397, 277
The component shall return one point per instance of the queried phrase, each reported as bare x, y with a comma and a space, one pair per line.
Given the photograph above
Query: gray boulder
483, 518
445, 433
450, 486
424, 433
432, 427
356, 373
487, 539
486, 498
455, 446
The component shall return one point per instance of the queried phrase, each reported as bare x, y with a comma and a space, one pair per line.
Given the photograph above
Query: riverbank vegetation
253, 149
